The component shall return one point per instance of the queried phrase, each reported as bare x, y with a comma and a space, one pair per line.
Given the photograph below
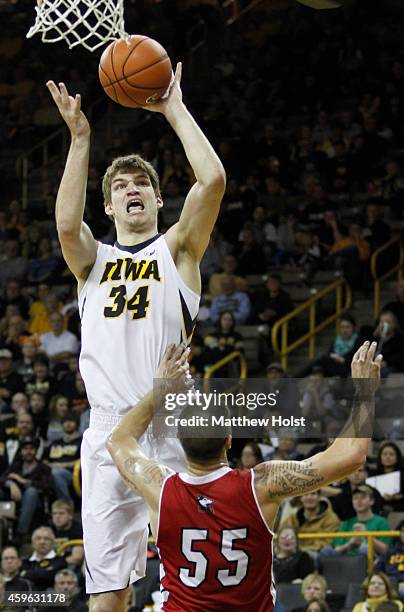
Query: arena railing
60, 549
370, 535
77, 477
235, 11
235, 355
379, 279
279, 335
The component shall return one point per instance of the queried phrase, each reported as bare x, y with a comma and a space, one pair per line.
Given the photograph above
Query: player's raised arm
275, 480
201, 208
78, 244
144, 475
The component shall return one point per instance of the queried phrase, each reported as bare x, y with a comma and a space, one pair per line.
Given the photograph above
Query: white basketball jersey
132, 306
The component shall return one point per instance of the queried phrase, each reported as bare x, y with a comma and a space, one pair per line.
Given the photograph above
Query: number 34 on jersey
126, 270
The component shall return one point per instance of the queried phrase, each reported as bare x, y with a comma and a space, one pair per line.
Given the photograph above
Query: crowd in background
311, 136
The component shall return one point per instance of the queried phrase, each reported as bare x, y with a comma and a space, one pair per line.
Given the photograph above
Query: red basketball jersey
215, 546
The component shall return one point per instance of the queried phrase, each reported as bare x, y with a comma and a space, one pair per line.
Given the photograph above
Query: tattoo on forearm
287, 477
152, 473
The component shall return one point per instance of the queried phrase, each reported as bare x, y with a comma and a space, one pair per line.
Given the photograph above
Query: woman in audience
58, 408
390, 459
376, 588
221, 342
290, 564
251, 456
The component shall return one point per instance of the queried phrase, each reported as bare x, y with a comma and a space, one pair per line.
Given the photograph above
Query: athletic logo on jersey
129, 269
205, 504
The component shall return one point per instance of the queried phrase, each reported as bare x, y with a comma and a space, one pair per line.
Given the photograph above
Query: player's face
133, 200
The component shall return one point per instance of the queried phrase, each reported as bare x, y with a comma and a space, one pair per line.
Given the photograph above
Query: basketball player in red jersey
213, 525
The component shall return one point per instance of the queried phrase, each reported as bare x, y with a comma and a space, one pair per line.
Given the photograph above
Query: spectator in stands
231, 300
41, 310
37, 404
14, 266
376, 589
364, 520
290, 564
316, 605
377, 232
273, 303
338, 359
315, 515
43, 268
12, 295
342, 502
58, 408
25, 429
221, 342
390, 459
76, 394
41, 381
217, 249
251, 255
66, 582
10, 568
349, 253
59, 344
29, 350
43, 565
251, 456
392, 562
314, 586
390, 343
397, 307
62, 454
27, 481
66, 528
15, 335
10, 381
230, 265
318, 402
286, 450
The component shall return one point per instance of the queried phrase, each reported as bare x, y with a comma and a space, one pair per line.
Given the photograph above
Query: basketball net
90, 23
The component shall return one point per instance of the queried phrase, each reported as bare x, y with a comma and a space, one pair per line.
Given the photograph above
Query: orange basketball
135, 73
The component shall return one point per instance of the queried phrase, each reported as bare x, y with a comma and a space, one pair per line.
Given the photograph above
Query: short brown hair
203, 444
128, 163
61, 504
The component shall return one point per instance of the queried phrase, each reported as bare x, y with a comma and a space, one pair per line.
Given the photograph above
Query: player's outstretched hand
70, 109
364, 365
174, 364
172, 98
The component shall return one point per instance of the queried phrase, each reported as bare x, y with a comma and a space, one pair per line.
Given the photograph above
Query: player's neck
127, 237
196, 469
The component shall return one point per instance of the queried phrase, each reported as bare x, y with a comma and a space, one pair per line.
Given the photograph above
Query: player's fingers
371, 351
54, 90
78, 103
363, 351
169, 352
63, 92
378, 359
358, 352
181, 348
184, 357
178, 73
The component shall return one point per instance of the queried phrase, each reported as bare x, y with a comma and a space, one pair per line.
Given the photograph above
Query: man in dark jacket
10, 568
273, 303
43, 565
27, 481
392, 562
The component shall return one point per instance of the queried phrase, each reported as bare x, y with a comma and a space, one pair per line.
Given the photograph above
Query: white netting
90, 23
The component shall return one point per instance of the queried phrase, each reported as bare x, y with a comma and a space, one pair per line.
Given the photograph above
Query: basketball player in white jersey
135, 298
194, 549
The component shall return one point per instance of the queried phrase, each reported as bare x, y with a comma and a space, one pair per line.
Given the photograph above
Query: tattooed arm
145, 476
275, 480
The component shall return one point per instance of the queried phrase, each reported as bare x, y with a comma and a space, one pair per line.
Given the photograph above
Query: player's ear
108, 210
159, 201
